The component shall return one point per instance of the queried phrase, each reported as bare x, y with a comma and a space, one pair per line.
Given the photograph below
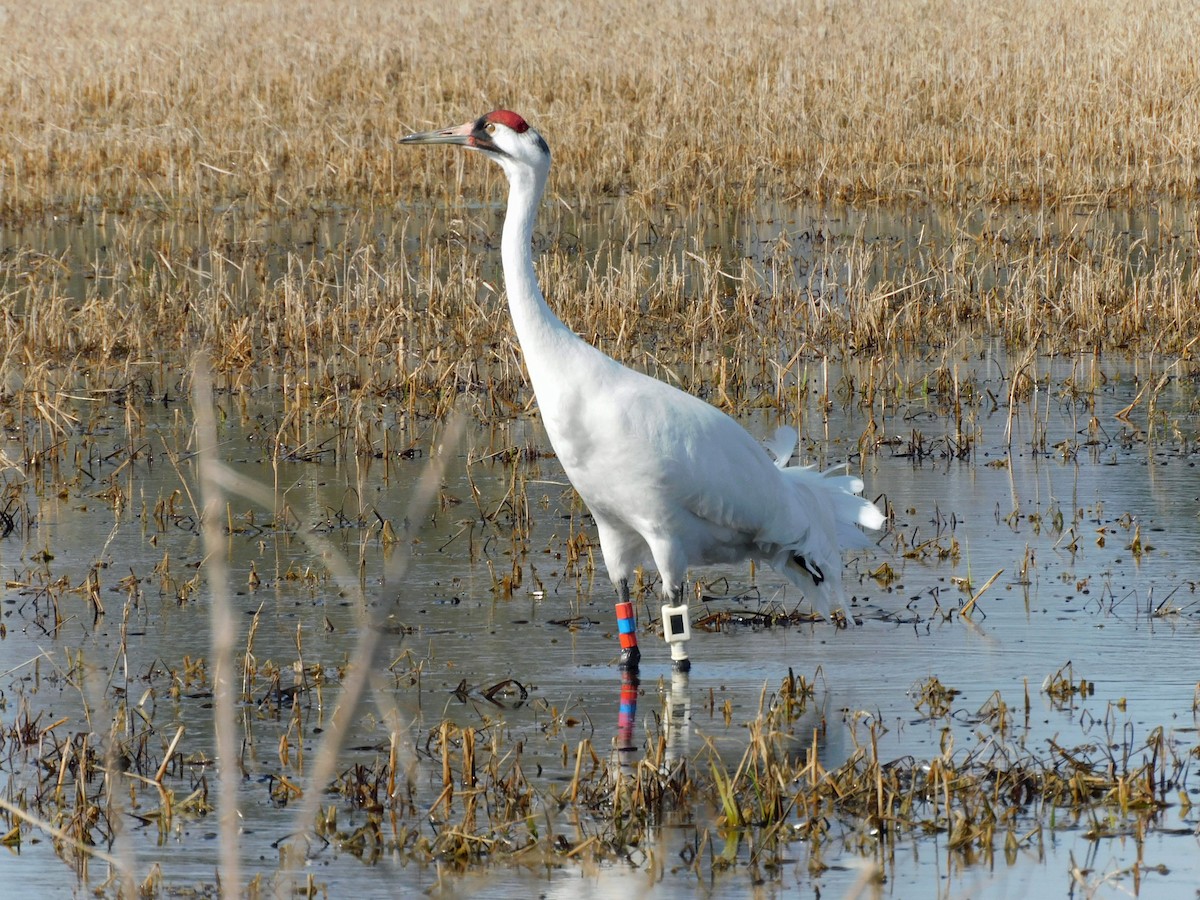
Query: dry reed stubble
184, 106
381, 316
921, 124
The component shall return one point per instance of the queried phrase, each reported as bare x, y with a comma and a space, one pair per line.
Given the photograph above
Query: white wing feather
654, 461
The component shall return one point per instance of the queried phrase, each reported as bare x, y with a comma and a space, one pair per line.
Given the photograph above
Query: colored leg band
626, 625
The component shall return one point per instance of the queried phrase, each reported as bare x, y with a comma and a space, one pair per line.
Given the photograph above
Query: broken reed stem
578, 767
969, 605
167, 756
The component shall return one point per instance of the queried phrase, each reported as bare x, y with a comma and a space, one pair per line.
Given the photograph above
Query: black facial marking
481, 138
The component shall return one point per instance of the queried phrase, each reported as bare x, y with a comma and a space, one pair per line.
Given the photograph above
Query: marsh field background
296, 598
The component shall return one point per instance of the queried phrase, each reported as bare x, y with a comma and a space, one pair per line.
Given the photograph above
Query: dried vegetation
222, 178
279, 106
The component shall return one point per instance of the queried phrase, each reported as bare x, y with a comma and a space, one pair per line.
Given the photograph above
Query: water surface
1089, 521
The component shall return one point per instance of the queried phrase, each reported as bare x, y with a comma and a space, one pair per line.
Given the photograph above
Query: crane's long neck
541, 333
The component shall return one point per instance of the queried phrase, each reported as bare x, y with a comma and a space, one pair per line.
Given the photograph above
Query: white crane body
670, 480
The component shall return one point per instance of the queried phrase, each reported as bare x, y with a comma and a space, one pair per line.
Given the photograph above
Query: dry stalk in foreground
217, 480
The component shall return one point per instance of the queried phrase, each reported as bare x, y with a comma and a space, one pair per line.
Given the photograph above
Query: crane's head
501, 135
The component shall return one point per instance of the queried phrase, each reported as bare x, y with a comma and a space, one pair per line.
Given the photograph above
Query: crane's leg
671, 562
623, 550
677, 628
631, 656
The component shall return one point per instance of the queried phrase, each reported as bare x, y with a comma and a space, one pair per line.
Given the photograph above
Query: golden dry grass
184, 175
409, 318
225, 177
288, 105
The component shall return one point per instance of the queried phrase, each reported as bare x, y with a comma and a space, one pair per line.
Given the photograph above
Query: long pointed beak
459, 134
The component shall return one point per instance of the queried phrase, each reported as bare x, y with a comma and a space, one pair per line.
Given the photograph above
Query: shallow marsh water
1091, 522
